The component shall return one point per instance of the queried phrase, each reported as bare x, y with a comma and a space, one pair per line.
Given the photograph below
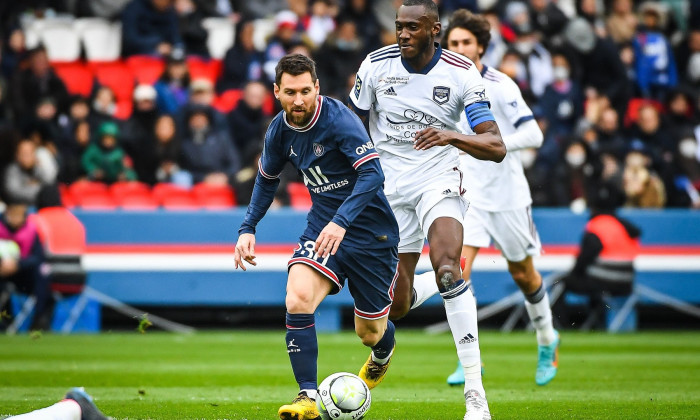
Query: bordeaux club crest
318, 149
441, 94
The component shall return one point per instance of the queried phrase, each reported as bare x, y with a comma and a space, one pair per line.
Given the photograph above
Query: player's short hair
476, 24
295, 64
431, 9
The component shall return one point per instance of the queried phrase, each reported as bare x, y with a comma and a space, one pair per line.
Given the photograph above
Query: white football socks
461, 315
311, 393
541, 316
64, 410
424, 287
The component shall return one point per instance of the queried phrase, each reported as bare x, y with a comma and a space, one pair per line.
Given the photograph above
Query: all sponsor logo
441, 94
318, 149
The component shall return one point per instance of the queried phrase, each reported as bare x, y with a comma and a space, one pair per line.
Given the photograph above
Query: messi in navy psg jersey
341, 170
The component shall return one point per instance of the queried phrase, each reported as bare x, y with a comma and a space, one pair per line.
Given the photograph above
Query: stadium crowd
614, 85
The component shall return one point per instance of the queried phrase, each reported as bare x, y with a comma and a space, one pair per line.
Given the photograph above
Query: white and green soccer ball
9, 249
343, 396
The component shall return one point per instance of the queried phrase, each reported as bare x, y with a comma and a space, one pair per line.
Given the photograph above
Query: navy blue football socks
383, 348
302, 347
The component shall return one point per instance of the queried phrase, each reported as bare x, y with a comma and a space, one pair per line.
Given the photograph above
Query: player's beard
300, 120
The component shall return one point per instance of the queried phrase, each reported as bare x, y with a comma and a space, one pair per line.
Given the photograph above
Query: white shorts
512, 231
418, 205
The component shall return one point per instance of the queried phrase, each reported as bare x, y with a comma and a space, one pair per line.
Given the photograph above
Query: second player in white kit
499, 194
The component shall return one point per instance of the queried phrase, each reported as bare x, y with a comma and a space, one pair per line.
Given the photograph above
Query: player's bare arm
245, 251
487, 144
329, 240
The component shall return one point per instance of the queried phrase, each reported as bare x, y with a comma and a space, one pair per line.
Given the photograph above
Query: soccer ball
343, 396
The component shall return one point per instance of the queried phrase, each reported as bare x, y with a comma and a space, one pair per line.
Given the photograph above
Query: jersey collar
311, 123
429, 66
484, 70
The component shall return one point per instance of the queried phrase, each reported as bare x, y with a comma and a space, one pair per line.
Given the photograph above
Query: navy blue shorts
371, 274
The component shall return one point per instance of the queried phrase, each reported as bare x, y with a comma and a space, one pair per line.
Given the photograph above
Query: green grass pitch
246, 375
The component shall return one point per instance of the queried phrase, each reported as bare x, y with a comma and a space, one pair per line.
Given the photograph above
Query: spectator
340, 56
568, 181
655, 66
610, 138
6, 116
260, 9
36, 83
680, 113
45, 123
283, 38
202, 94
512, 65
689, 163
497, 46
605, 262
537, 59
104, 160
150, 27
173, 87
688, 58
72, 150
138, 135
27, 178
78, 111
622, 22
562, 106
321, 21
547, 18
593, 54
167, 153
247, 122
104, 106
366, 23
24, 269
13, 53
193, 34
105, 9
206, 152
643, 188
242, 63
588, 10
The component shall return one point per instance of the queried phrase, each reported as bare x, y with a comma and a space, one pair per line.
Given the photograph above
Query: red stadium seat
299, 196
129, 188
180, 202
214, 196
269, 104
76, 76
139, 202
123, 109
227, 101
146, 69
97, 201
116, 76
66, 197
79, 189
204, 68
162, 190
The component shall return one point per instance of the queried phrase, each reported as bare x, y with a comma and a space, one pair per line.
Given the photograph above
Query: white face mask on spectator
560, 73
575, 160
524, 47
688, 148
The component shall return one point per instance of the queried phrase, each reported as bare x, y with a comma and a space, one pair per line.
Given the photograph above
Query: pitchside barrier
168, 258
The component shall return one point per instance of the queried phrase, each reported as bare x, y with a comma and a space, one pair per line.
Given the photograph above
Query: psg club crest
318, 149
441, 94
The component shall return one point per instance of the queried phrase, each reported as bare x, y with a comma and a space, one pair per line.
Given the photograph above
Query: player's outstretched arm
245, 251
487, 144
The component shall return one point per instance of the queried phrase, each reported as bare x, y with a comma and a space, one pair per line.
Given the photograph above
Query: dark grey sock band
537, 295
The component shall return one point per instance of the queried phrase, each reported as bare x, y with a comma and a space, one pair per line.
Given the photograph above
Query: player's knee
370, 337
448, 275
300, 302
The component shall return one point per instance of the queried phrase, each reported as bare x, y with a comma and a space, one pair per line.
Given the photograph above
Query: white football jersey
401, 101
501, 186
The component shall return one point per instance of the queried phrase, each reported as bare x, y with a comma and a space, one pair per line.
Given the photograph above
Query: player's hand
329, 240
431, 137
245, 251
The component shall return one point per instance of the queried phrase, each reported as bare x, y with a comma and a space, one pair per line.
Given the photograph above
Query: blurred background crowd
178, 92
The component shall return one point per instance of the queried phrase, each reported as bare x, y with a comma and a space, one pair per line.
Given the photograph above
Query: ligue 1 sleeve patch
358, 86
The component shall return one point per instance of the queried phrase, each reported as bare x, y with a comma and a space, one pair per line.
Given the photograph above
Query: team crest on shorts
318, 149
441, 94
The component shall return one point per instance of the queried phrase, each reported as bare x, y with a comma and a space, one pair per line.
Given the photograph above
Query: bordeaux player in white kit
500, 196
415, 94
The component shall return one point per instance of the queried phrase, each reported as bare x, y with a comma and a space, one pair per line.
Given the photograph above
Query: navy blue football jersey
328, 152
